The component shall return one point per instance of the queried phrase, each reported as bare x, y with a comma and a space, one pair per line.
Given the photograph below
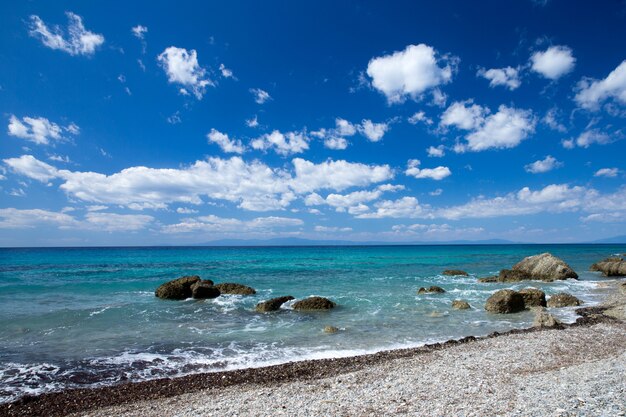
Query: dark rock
533, 297
330, 329
272, 304
610, 267
505, 301
430, 290
488, 279
204, 289
563, 300
314, 303
511, 275
453, 272
544, 319
460, 305
545, 267
232, 288
178, 289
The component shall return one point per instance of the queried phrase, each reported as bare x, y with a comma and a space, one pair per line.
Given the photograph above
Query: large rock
204, 289
232, 288
454, 272
460, 305
433, 289
314, 303
178, 289
505, 301
512, 275
272, 304
611, 267
544, 319
533, 297
563, 300
545, 267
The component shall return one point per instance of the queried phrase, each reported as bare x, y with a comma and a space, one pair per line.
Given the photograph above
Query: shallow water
88, 316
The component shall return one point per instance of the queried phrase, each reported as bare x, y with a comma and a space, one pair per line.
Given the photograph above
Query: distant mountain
294, 241
614, 239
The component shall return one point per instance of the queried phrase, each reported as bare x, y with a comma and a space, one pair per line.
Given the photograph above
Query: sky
151, 123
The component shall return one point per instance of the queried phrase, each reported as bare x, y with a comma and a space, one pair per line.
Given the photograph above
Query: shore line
88, 399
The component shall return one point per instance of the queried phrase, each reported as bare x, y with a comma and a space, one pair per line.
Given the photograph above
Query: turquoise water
88, 316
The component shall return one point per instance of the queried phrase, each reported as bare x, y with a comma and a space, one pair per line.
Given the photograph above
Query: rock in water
330, 329
545, 267
488, 279
544, 319
178, 289
204, 289
431, 289
272, 304
232, 288
505, 301
314, 303
533, 297
510, 275
460, 305
610, 267
454, 272
563, 300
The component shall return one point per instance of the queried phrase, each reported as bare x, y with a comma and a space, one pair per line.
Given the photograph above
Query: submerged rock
544, 319
455, 272
273, 304
330, 329
314, 303
432, 289
611, 267
460, 305
533, 297
204, 289
545, 267
233, 288
505, 301
563, 300
177, 289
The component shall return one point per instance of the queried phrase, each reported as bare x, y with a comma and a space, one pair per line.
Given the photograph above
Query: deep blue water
88, 316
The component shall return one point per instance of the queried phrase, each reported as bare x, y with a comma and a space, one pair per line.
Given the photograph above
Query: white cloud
282, 143
611, 217
96, 208
505, 129
112, 222
407, 207
420, 116
181, 67
436, 152
223, 141
435, 231
254, 122
186, 210
226, 73
409, 73
217, 224
38, 129
607, 172
78, 41
344, 127
252, 185
373, 131
335, 138
507, 77
550, 119
260, 96
436, 192
588, 138
543, 165
60, 158
553, 62
336, 143
464, 115
590, 92
437, 174
139, 31
332, 229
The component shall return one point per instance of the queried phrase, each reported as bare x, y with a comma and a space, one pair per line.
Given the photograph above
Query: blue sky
153, 123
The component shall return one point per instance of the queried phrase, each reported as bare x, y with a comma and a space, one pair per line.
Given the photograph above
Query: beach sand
578, 370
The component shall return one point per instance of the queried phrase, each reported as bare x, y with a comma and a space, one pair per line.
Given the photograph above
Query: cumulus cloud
252, 185
436, 151
588, 138
435, 231
507, 77
405, 207
506, 128
336, 138
77, 40
223, 141
410, 73
550, 119
139, 31
418, 117
39, 129
282, 143
543, 165
351, 201
181, 67
591, 93
554, 62
217, 224
332, 229
336, 143
226, 73
260, 96
607, 172
437, 174
254, 122
373, 131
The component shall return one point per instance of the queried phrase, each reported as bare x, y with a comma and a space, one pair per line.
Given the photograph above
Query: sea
88, 317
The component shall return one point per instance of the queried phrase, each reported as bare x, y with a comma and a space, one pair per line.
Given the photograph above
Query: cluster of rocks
611, 267
510, 301
543, 267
